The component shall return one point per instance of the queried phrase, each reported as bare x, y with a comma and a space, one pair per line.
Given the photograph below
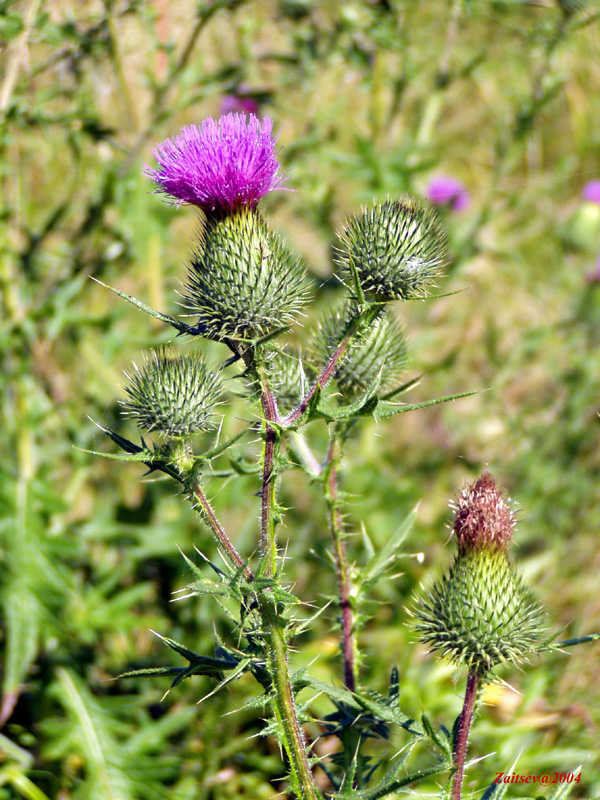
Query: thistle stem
274, 624
220, 534
301, 777
268, 520
462, 734
330, 484
330, 368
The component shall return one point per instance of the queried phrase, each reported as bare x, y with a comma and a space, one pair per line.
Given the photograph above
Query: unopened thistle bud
481, 614
377, 353
243, 282
173, 394
396, 249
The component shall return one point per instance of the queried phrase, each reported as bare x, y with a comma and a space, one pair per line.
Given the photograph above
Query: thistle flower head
484, 519
481, 614
243, 282
591, 192
173, 394
219, 166
241, 103
377, 353
446, 191
396, 249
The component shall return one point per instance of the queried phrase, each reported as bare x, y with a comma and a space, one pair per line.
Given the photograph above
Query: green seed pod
396, 248
243, 283
481, 614
173, 394
377, 353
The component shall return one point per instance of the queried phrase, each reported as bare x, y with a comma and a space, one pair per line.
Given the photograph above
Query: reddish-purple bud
484, 519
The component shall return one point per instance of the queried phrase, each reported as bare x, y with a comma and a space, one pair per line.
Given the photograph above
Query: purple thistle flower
243, 104
591, 192
446, 191
219, 166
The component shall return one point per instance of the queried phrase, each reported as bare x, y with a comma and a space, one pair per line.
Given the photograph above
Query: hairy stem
369, 313
268, 518
301, 777
220, 534
330, 484
274, 624
462, 734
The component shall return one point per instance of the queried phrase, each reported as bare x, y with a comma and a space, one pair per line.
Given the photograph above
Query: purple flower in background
445, 191
593, 276
219, 165
591, 192
231, 103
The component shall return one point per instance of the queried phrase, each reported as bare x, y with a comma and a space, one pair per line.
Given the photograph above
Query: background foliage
371, 99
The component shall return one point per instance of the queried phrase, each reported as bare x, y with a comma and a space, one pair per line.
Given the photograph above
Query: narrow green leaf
241, 668
388, 787
338, 695
221, 448
496, 791
563, 790
381, 708
143, 456
22, 784
174, 323
15, 753
439, 739
360, 297
383, 559
22, 620
151, 671
100, 749
401, 389
365, 404
385, 409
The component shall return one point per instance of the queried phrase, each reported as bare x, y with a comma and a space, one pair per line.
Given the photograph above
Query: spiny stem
301, 776
274, 624
220, 534
349, 648
330, 368
462, 734
268, 522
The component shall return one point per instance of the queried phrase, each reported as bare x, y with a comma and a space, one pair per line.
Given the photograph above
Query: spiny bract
480, 614
378, 353
173, 394
396, 248
243, 282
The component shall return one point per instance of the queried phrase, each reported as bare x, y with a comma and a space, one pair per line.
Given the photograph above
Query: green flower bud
396, 248
172, 394
377, 353
243, 282
481, 614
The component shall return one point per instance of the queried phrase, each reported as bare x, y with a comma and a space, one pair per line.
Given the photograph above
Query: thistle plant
481, 614
244, 289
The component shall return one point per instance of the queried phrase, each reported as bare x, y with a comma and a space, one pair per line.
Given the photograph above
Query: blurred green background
370, 99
